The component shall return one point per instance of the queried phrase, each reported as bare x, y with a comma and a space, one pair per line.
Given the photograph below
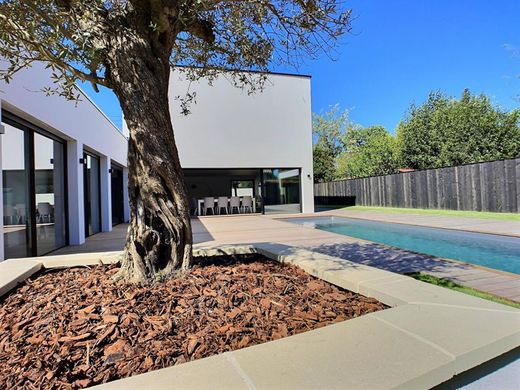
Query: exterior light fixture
82, 161
2, 129
110, 170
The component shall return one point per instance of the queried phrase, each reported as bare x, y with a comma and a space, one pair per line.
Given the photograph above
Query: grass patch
452, 213
466, 290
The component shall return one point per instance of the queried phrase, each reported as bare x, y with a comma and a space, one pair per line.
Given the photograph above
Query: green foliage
445, 132
328, 130
463, 289
369, 151
82, 40
344, 149
441, 132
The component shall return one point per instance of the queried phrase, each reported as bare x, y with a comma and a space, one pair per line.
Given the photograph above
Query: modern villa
239, 144
64, 174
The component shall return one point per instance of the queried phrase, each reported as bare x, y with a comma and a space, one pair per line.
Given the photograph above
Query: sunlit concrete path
249, 229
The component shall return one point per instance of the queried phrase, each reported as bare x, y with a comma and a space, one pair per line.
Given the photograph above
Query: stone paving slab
14, 271
363, 353
80, 259
492, 327
411, 291
215, 372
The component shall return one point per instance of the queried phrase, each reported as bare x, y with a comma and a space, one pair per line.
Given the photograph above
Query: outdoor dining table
200, 204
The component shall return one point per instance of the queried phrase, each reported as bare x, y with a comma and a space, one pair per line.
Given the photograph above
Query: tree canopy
328, 130
442, 131
445, 131
369, 151
77, 39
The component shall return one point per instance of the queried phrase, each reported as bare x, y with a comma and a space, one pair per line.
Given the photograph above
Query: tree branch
47, 56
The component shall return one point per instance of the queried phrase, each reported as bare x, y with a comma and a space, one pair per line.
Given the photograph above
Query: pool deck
250, 229
490, 226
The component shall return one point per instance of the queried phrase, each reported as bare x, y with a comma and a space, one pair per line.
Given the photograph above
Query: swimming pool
488, 250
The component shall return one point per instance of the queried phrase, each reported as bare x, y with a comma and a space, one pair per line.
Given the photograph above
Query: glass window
92, 195
15, 179
281, 191
116, 177
242, 188
49, 180
33, 173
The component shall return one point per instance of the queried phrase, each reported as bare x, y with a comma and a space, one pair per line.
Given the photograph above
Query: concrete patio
249, 229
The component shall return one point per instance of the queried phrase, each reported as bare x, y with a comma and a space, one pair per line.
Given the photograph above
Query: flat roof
252, 71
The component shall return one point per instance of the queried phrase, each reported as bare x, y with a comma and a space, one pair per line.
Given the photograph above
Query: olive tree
130, 46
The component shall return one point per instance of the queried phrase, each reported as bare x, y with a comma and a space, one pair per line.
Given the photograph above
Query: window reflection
33, 173
50, 194
281, 191
15, 193
92, 195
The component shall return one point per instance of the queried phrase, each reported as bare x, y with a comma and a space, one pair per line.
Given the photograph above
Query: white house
63, 168
235, 143
64, 174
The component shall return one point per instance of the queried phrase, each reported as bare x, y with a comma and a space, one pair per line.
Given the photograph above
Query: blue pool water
488, 250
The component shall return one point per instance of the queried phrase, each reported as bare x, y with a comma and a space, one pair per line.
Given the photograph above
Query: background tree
418, 137
446, 131
129, 46
368, 151
328, 130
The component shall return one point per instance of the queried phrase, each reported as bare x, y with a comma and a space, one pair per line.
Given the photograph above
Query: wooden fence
489, 186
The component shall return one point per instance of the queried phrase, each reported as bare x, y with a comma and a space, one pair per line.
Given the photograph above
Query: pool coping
427, 336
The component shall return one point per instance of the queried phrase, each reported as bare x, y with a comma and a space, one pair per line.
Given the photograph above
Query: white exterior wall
228, 128
78, 125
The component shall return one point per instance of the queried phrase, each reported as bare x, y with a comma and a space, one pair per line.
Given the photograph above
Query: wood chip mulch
74, 328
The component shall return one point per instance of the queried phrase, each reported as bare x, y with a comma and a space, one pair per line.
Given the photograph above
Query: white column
106, 194
76, 193
307, 185
126, 203
1, 194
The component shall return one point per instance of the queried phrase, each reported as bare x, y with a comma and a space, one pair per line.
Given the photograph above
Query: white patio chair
20, 209
209, 204
222, 203
9, 214
247, 204
234, 203
44, 211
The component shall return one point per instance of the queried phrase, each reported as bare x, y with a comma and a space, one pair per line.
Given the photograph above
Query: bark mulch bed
74, 328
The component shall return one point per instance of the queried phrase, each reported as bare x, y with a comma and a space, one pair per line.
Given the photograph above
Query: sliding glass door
49, 178
92, 192
34, 196
15, 179
281, 191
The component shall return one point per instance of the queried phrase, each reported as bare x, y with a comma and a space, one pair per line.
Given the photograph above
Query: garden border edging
427, 336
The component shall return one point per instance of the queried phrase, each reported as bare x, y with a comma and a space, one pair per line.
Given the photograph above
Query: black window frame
29, 129
85, 192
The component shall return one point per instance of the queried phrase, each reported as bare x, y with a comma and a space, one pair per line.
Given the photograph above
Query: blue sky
400, 50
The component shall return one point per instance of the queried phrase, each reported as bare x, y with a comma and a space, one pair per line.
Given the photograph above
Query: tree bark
159, 238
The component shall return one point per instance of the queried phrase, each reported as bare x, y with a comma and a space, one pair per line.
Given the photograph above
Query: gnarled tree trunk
159, 240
